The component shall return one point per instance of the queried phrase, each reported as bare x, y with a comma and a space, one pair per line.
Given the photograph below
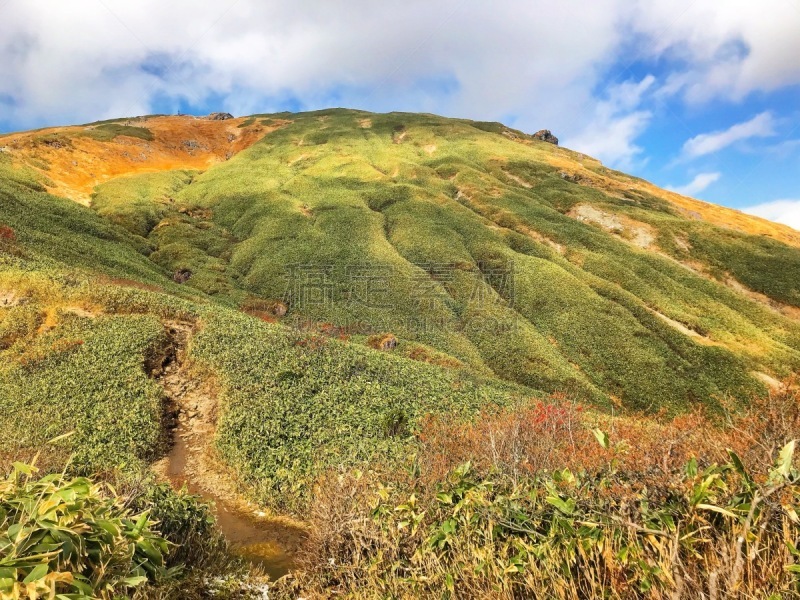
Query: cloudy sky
701, 96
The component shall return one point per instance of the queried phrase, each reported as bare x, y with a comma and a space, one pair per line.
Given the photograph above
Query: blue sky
700, 96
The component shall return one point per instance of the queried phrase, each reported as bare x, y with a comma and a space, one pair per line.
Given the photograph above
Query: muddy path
268, 541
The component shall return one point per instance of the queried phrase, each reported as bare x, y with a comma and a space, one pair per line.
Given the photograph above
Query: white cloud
780, 211
760, 126
729, 49
698, 184
535, 63
79, 61
616, 124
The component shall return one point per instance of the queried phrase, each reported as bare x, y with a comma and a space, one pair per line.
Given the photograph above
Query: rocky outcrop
385, 342
220, 116
546, 136
181, 276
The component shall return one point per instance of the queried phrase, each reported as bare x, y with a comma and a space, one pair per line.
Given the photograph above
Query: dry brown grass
440, 531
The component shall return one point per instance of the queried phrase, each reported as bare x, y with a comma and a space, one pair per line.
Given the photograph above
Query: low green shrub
74, 538
108, 131
87, 376
187, 523
138, 202
295, 405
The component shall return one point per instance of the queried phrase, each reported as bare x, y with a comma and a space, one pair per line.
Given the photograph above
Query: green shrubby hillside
353, 276
409, 195
64, 234
73, 362
296, 405
456, 235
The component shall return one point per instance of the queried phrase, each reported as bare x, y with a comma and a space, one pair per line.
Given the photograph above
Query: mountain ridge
171, 131
612, 276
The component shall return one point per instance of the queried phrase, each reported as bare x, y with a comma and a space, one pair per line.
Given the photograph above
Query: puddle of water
260, 541
266, 542
269, 555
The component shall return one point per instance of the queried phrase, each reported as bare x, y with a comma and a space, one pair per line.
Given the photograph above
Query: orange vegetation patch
728, 217
382, 341
573, 168
266, 310
77, 164
557, 433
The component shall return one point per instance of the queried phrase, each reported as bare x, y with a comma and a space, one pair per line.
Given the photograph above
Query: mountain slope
514, 257
389, 327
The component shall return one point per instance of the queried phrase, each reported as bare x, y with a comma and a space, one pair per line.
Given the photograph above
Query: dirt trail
268, 541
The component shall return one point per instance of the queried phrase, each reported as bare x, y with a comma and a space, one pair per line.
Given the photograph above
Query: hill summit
497, 251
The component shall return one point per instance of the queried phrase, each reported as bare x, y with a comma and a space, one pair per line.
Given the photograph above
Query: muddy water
270, 542
267, 542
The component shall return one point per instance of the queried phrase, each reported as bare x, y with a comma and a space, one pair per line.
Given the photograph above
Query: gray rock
546, 136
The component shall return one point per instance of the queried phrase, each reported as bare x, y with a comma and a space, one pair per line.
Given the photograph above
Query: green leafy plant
106, 132
74, 538
562, 535
631, 518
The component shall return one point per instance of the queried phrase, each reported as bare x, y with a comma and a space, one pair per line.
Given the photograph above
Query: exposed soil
639, 234
682, 243
81, 311
9, 299
792, 312
786, 310
518, 180
542, 239
192, 405
684, 329
772, 383
298, 159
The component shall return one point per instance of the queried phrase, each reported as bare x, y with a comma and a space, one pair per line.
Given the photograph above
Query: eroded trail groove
271, 542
